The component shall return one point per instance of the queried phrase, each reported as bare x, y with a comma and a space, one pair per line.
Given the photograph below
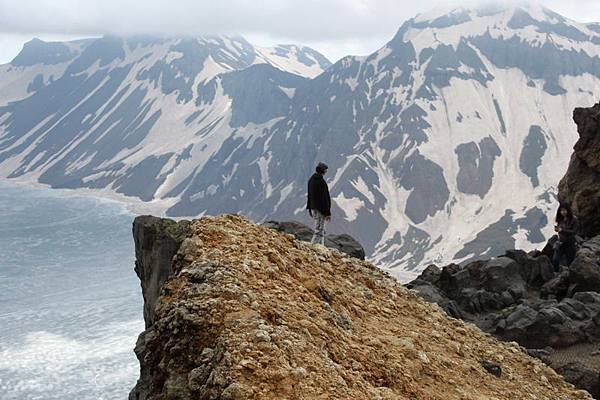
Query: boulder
581, 376
536, 269
503, 274
344, 243
546, 324
556, 287
584, 272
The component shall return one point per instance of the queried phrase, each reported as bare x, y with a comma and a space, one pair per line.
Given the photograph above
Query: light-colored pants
319, 235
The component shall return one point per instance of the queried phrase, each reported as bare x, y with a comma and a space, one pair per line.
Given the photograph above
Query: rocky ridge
252, 313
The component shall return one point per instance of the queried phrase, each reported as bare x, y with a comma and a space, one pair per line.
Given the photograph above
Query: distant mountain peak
306, 61
526, 21
489, 12
470, 10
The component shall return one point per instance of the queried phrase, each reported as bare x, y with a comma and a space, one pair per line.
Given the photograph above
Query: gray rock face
258, 81
547, 62
429, 191
581, 185
344, 243
584, 273
156, 242
533, 150
476, 162
494, 238
39, 52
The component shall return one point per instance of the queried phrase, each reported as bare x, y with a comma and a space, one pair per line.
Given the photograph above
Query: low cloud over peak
335, 27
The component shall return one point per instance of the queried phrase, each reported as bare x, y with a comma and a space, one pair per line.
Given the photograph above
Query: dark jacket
568, 230
318, 195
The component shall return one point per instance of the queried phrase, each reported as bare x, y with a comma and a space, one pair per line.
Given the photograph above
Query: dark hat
322, 168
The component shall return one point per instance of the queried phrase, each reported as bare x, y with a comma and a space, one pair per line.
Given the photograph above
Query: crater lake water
70, 302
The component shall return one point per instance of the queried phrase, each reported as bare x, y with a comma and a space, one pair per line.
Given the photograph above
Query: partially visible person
319, 202
566, 227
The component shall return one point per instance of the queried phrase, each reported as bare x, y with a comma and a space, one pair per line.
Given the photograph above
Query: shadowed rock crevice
156, 242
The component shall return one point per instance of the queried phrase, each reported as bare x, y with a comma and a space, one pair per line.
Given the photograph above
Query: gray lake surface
70, 302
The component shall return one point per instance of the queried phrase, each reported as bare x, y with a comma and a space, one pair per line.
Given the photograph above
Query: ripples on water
70, 303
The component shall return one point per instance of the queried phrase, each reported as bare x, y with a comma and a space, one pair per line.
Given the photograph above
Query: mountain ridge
423, 137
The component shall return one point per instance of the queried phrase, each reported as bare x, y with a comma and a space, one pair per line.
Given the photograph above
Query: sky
336, 28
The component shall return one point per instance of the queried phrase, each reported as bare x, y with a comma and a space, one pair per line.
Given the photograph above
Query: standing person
566, 227
319, 202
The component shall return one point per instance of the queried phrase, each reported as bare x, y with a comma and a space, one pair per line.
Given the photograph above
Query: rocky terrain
158, 239
519, 297
236, 310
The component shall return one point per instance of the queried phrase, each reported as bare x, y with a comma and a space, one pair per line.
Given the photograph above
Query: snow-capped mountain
444, 145
131, 114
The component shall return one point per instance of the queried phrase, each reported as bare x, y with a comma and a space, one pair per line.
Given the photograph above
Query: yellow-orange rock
250, 313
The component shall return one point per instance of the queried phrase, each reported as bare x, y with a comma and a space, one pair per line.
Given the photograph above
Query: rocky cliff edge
250, 313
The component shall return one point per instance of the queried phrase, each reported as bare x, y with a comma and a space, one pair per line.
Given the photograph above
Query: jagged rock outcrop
156, 242
252, 313
518, 297
581, 184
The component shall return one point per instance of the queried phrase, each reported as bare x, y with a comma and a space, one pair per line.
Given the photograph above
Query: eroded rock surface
251, 313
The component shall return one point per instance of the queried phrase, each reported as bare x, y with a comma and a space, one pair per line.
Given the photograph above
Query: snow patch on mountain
444, 145
299, 60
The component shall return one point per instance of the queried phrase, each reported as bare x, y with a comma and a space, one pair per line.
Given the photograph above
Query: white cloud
335, 27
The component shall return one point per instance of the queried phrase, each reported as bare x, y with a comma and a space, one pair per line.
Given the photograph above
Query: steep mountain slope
444, 145
465, 137
520, 297
127, 114
249, 313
